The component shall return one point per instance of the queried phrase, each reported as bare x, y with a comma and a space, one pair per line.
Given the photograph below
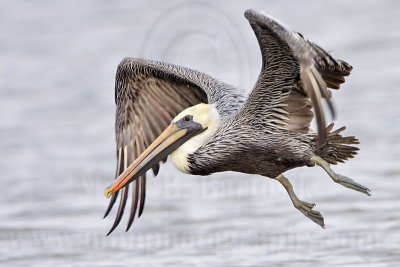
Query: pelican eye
187, 118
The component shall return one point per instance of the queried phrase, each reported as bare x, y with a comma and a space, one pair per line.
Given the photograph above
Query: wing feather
135, 190
148, 95
140, 148
296, 74
124, 192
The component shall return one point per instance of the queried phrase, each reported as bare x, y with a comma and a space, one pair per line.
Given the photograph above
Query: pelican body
207, 126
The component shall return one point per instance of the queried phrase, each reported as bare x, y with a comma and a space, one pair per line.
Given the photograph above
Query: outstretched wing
148, 95
295, 76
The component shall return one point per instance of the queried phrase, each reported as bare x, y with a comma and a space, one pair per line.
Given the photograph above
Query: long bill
172, 137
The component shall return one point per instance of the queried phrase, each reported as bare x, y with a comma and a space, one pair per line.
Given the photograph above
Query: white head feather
208, 116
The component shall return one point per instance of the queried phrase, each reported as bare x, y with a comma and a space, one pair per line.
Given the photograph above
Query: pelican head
189, 130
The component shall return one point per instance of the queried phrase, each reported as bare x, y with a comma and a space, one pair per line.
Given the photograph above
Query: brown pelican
208, 126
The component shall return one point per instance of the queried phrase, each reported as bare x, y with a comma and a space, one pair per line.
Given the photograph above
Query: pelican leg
340, 179
304, 207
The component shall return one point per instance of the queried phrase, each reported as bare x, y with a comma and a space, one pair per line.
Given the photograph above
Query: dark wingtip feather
156, 169
121, 208
111, 230
135, 199
120, 160
142, 194
111, 204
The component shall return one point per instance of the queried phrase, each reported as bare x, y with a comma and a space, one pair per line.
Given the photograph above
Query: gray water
57, 66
